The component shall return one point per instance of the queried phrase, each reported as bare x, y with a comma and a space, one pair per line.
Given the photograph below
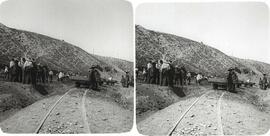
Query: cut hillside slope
195, 56
57, 54
256, 66
118, 63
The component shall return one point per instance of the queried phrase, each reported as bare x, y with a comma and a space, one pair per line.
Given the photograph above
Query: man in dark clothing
51, 75
171, 74
46, 74
22, 67
127, 79
261, 83
158, 69
123, 81
264, 82
149, 66
182, 79
39, 73
165, 74
178, 76
152, 73
184, 75
27, 71
94, 76
14, 71
160, 72
188, 77
20, 70
231, 79
34, 73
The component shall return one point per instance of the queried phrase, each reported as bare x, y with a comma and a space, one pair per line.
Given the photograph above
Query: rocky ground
244, 113
107, 111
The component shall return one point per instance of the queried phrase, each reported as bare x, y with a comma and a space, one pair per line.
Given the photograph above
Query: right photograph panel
202, 68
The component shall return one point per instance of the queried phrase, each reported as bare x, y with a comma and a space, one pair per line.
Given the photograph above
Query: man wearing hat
93, 78
230, 80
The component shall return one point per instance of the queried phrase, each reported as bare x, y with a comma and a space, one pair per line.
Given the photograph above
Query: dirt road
75, 111
215, 113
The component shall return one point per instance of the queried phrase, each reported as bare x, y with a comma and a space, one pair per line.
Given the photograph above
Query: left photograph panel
66, 66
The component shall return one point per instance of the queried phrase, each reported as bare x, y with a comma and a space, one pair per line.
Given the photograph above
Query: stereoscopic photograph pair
198, 68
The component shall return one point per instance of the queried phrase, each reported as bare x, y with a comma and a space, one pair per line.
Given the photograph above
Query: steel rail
184, 114
50, 110
219, 115
84, 114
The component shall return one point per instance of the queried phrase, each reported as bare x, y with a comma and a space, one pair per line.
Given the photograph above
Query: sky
239, 29
103, 27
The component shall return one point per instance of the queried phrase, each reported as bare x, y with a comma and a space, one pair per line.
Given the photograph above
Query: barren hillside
195, 56
57, 54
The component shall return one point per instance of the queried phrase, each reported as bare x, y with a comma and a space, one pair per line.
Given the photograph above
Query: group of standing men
26, 71
165, 74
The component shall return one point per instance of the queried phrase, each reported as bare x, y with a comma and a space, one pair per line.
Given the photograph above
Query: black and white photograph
66, 66
202, 68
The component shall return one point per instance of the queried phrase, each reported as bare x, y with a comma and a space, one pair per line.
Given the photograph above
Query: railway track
87, 129
219, 115
172, 129
84, 113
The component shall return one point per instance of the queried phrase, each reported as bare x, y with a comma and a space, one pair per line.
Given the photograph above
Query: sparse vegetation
57, 54
195, 56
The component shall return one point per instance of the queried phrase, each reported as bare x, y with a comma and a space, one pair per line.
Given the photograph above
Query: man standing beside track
231, 79
93, 78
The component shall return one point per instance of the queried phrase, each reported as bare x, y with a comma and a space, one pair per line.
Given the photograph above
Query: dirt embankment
116, 93
152, 98
15, 96
109, 110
